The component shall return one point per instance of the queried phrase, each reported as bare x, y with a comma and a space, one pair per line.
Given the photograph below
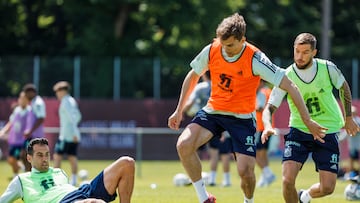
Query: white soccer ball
352, 192
83, 174
180, 179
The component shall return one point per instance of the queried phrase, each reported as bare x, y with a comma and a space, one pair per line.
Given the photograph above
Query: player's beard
306, 65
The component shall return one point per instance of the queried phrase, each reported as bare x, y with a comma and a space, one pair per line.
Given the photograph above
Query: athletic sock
227, 179
73, 179
267, 171
200, 190
305, 196
212, 177
246, 200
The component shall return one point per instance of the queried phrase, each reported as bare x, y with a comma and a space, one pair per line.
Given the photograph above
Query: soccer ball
180, 179
352, 192
83, 174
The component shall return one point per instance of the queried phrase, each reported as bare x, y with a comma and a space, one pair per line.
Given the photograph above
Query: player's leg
242, 132
23, 156
12, 161
245, 166
353, 159
326, 185
74, 168
262, 160
290, 170
225, 160
326, 158
71, 151
225, 150
188, 142
58, 154
296, 152
14, 156
214, 159
198, 132
119, 176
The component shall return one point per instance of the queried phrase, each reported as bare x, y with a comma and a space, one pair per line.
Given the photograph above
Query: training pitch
154, 183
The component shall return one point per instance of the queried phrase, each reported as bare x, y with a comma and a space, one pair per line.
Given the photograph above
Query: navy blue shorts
96, 189
63, 147
26, 143
242, 131
15, 151
224, 147
298, 146
259, 144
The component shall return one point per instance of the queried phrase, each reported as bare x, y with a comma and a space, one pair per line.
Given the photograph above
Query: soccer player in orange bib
236, 68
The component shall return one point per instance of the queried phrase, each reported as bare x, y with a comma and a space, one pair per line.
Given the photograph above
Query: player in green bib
315, 79
44, 184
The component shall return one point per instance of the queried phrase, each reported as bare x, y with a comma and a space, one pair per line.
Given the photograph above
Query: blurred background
126, 59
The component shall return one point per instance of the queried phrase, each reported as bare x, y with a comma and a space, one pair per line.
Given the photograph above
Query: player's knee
288, 183
184, 146
246, 173
327, 189
128, 162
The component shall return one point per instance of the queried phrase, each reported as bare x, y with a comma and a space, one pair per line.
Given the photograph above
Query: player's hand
2, 133
351, 127
267, 132
175, 120
318, 131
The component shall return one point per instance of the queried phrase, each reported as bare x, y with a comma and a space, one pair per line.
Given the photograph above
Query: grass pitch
161, 173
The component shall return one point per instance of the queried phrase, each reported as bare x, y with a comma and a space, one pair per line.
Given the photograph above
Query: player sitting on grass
47, 184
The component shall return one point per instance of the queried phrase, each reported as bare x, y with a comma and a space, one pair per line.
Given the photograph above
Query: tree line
165, 29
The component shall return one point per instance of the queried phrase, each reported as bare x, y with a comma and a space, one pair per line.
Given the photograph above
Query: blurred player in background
354, 146
14, 130
218, 148
236, 68
316, 79
69, 135
35, 120
262, 160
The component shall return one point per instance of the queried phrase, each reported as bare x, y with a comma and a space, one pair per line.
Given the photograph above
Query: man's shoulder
38, 101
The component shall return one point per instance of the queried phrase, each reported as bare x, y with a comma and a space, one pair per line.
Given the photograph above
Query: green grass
162, 172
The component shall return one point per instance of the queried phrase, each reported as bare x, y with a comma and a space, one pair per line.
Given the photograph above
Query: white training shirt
38, 107
70, 117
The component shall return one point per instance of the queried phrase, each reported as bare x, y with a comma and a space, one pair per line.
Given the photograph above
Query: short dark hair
40, 141
29, 88
306, 38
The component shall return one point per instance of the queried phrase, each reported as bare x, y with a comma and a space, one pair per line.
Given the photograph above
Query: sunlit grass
162, 172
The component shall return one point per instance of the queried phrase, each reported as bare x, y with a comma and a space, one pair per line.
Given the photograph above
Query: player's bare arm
315, 129
188, 86
268, 111
345, 95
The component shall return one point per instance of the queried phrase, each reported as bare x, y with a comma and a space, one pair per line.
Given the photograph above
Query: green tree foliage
164, 29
